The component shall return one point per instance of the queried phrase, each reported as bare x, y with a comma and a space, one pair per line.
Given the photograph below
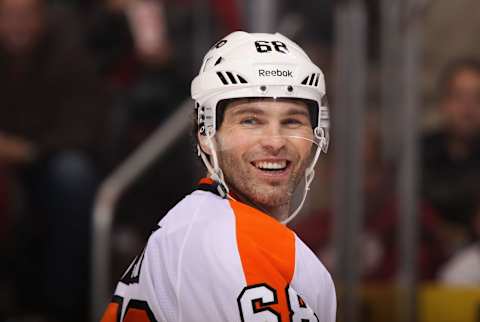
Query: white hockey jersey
213, 259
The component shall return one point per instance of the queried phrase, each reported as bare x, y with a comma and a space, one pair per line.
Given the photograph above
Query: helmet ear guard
203, 145
322, 131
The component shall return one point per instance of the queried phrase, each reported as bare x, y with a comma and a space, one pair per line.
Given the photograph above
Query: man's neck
279, 212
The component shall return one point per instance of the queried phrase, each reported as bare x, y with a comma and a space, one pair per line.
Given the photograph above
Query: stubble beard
264, 195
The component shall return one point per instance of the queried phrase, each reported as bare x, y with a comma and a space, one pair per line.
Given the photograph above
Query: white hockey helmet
258, 65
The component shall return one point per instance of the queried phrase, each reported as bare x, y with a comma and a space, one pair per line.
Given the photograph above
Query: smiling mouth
276, 166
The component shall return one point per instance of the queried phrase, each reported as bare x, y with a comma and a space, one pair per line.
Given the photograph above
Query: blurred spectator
127, 35
446, 22
133, 40
464, 268
379, 248
111, 41
451, 154
51, 118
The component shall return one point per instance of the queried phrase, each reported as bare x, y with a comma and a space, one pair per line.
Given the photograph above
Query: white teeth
277, 165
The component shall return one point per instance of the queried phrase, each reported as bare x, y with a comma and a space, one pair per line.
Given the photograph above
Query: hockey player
223, 253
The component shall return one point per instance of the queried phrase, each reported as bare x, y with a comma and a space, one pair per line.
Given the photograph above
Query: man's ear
202, 141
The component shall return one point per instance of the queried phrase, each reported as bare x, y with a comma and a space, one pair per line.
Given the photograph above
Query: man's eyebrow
248, 110
298, 111
256, 110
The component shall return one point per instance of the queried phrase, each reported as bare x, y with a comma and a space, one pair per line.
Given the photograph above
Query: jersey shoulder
192, 248
196, 251
197, 208
199, 229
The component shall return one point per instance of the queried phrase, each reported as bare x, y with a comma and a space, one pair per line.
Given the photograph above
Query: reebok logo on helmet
275, 73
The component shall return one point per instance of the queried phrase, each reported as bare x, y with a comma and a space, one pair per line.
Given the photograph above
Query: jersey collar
208, 184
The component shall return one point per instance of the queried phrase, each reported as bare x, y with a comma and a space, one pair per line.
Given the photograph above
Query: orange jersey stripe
206, 181
112, 312
267, 252
136, 315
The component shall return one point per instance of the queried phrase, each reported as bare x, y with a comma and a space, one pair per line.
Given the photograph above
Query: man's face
264, 147
462, 104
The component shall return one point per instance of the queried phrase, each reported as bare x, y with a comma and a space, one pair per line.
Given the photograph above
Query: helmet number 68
264, 46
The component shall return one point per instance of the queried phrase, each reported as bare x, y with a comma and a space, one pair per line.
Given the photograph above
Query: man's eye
293, 122
249, 121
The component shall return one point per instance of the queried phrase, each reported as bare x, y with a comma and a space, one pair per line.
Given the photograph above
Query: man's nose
272, 138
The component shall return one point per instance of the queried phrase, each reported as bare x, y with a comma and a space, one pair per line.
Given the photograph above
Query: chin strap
309, 175
214, 171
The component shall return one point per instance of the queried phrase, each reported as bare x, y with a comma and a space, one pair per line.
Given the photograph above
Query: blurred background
95, 146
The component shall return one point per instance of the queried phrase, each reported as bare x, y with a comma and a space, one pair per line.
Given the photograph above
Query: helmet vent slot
228, 78
312, 80
316, 81
219, 60
242, 80
222, 78
232, 78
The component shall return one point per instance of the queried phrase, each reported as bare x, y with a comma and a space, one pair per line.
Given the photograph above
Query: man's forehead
279, 105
